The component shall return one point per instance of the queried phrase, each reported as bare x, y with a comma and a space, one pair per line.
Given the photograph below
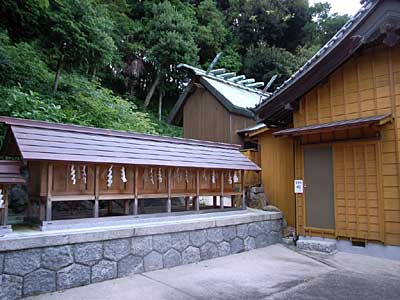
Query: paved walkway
275, 272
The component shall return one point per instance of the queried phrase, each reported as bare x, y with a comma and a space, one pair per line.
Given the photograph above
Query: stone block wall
35, 271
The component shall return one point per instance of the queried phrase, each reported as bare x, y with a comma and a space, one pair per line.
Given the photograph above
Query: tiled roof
236, 97
60, 142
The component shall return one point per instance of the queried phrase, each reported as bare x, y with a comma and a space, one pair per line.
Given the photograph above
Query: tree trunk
58, 73
151, 92
160, 99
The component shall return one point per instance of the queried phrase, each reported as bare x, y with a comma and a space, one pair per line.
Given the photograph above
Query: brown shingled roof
60, 142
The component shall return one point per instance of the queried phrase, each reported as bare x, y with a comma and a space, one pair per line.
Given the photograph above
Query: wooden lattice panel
357, 194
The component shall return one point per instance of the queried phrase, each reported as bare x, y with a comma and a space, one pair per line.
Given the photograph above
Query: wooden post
169, 204
49, 188
135, 203
96, 192
197, 190
243, 189
214, 201
4, 210
186, 203
126, 206
5, 213
110, 208
221, 198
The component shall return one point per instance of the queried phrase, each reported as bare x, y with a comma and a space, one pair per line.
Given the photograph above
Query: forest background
109, 63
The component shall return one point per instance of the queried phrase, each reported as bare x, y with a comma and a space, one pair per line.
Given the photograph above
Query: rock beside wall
41, 270
256, 198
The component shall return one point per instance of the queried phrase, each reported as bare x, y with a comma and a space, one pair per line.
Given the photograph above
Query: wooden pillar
169, 183
215, 201
49, 190
186, 203
221, 199
126, 206
4, 210
136, 201
243, 189
96, 192
110, 206
197, 190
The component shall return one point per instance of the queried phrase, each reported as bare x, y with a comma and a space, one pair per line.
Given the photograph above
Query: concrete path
275, 272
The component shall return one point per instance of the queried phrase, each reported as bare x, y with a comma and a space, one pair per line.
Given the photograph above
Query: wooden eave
376, 121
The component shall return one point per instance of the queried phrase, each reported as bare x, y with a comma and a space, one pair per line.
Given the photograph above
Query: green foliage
211, 31
104, 38
170, 37
23, 63
85, 29
264, 62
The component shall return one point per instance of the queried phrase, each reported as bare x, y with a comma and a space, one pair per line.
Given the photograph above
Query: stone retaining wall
46, 269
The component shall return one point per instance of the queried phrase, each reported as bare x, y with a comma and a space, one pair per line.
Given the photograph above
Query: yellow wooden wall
366, 85
277, 173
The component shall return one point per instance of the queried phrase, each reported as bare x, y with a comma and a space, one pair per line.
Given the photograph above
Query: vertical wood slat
197, 190
49, 189
96, 191
169, 183
136, 201
381, 212
366, 184
353, 149
221, 199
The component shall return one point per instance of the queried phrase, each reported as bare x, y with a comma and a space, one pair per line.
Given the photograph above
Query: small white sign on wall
298, 186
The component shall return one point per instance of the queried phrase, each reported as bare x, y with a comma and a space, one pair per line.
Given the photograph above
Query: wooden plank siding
204, 118
367, 180
277, 173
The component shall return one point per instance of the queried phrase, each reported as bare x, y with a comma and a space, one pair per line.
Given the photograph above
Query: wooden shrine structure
9, 175
74, 163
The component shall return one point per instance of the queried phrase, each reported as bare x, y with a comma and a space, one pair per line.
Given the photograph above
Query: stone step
288, 241
326, 246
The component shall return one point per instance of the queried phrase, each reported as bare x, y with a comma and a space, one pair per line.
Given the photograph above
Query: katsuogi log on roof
59, 142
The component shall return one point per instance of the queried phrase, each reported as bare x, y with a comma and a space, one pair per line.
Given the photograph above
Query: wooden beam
169, 184
197, 190
49, 190
96, 191
221, 199
243, 189
136, 201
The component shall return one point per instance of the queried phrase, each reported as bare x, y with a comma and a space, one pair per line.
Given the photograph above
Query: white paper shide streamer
1, 199
73, 174
151, 176
84, 174
230, 180
213, 177
186, 176
123, 175
235, 178
159, 176
110, 176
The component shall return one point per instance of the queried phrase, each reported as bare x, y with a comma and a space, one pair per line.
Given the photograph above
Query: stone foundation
51, 261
